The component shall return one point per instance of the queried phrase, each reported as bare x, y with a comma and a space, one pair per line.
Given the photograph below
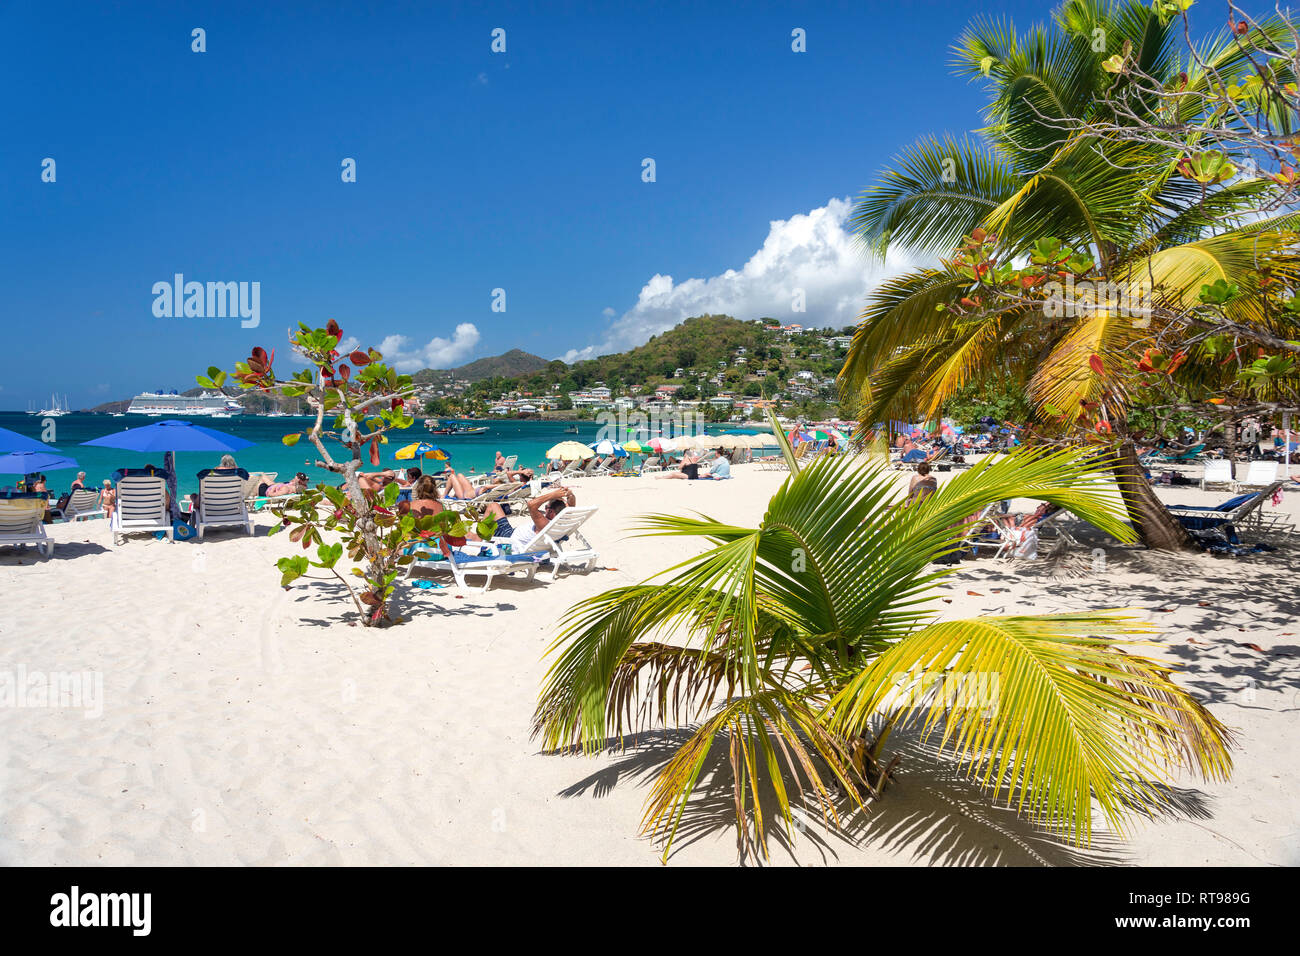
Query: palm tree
806, 640
1032, 175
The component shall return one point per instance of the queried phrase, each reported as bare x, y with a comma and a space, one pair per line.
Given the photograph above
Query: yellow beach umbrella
634, 446
570, 451
420, 449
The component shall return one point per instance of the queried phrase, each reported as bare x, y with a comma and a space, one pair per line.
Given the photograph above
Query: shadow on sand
930, 814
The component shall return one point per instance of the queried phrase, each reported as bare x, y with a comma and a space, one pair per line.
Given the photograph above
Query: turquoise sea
529, 439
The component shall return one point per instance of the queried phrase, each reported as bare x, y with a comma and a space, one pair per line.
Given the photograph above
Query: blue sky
475, 171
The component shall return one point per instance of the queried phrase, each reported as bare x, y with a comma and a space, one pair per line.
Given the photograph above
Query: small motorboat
436, 427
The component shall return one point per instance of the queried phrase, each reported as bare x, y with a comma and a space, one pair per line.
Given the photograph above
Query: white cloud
810, 251
399, 352
608, 313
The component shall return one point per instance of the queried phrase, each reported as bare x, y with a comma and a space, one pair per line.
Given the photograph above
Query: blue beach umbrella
27, 462
170, 436
12, 441
607, 447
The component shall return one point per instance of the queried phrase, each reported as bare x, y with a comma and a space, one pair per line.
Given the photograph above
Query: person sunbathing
374, 482
458, 487
1030, 520
542, 510
424, 498
506, 477
922, 484
409, 477
689, 467
296, 486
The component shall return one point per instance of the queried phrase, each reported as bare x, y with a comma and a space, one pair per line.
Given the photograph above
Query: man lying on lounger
523, 529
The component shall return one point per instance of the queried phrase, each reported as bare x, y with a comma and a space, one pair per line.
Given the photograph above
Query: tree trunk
1155, 526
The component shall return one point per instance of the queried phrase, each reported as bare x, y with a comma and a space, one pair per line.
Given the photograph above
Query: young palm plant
800, 644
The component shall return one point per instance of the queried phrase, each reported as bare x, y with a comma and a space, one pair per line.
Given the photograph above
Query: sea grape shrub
357, 400
327, 510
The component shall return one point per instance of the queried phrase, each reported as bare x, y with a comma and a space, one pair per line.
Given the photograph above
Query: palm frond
1075, 715
937, 192
772, 738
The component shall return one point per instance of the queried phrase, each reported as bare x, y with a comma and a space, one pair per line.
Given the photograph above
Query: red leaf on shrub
1095, 362
374, 451
359, 359
455, 542
345, 372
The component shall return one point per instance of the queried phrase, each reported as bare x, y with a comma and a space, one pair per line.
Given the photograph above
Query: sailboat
56, 409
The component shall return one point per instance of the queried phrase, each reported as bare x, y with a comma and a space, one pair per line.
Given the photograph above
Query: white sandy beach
243, 724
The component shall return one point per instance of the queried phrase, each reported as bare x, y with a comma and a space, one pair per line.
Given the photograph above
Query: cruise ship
209, 404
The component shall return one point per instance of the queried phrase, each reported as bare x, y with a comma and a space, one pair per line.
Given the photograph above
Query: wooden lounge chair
21, 522
141, 507
221, 504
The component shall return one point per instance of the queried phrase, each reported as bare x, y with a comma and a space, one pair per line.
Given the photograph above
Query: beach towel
1026, 543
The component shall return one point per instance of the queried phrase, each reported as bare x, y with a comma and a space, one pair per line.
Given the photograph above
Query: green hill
512, 364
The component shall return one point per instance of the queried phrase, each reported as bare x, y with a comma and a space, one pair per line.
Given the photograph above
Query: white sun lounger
21, 523
83, 503
221, 504
489, 494
1218, 471
560, 542
141, 507
563, 542
462, 564
1260, 474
